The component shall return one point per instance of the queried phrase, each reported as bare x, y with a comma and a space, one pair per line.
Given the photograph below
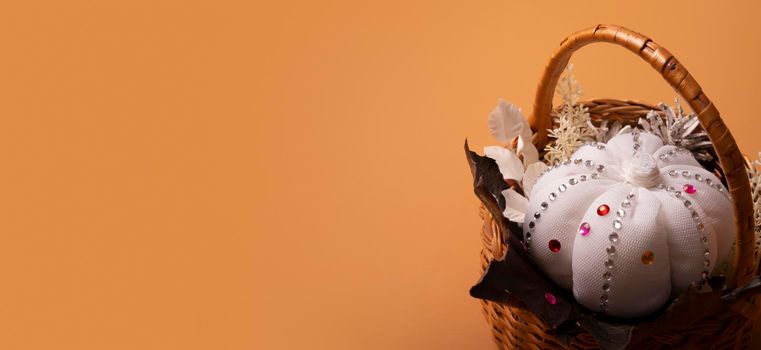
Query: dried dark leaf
516, 281
486, 176
609, 336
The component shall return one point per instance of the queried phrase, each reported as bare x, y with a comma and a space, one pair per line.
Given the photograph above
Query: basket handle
732, 161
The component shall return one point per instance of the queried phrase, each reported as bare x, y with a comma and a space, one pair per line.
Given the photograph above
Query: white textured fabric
669, 222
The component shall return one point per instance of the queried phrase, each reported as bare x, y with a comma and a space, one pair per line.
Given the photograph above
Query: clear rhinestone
617, 224
577, 161
706, 263
701, 227
698, 177
695, 215
661, 186
604, 298
583, 178
609, 263
566, 162
687, 204
704, 274
671, 152
636, 147
544, 205
606, 287
686, 173
531, 224
708, 181
562, 188
607, 275
613, 237
537, 215
670, 189
662, 157
528, 235
553, 196
626, 203
706, 252
678, 194
621, 213
611, 250
672, 172
600, 146
595, 176
704, 239
631, 196
589, 163
600, 168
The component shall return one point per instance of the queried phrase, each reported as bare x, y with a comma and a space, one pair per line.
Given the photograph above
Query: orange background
287, 175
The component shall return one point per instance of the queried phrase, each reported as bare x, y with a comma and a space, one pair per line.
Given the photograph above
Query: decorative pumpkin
628, 224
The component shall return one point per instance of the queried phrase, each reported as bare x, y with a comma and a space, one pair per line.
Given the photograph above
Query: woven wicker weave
515, 328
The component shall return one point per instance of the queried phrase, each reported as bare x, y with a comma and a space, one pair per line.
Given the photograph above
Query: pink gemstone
690, 189
584, 229
550, 298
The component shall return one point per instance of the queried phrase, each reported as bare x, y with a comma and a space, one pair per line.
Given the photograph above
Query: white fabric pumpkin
669, 223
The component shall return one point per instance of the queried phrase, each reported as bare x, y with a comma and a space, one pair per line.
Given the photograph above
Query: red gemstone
554, 245
550, 298
603, 210
690, 189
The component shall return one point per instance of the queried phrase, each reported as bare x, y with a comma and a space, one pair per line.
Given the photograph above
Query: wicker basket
728, 325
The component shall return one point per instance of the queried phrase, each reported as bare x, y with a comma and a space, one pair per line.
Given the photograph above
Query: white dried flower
755, 186
607, 130
679, 130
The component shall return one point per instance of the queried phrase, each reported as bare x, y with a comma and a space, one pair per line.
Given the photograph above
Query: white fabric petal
586, 152
622, 146
506, 121
560, 221
508, 162
686, 250
635, 289
515, 207
677, 156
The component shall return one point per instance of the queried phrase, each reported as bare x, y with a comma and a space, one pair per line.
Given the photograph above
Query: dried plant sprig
571, 121
679, 130
755, 185
607, 130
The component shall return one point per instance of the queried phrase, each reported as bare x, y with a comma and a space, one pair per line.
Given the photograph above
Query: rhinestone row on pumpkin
611, 250
553, 196
576, 161
666, 157
699, 178
635, 138
700, 226
599, 145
